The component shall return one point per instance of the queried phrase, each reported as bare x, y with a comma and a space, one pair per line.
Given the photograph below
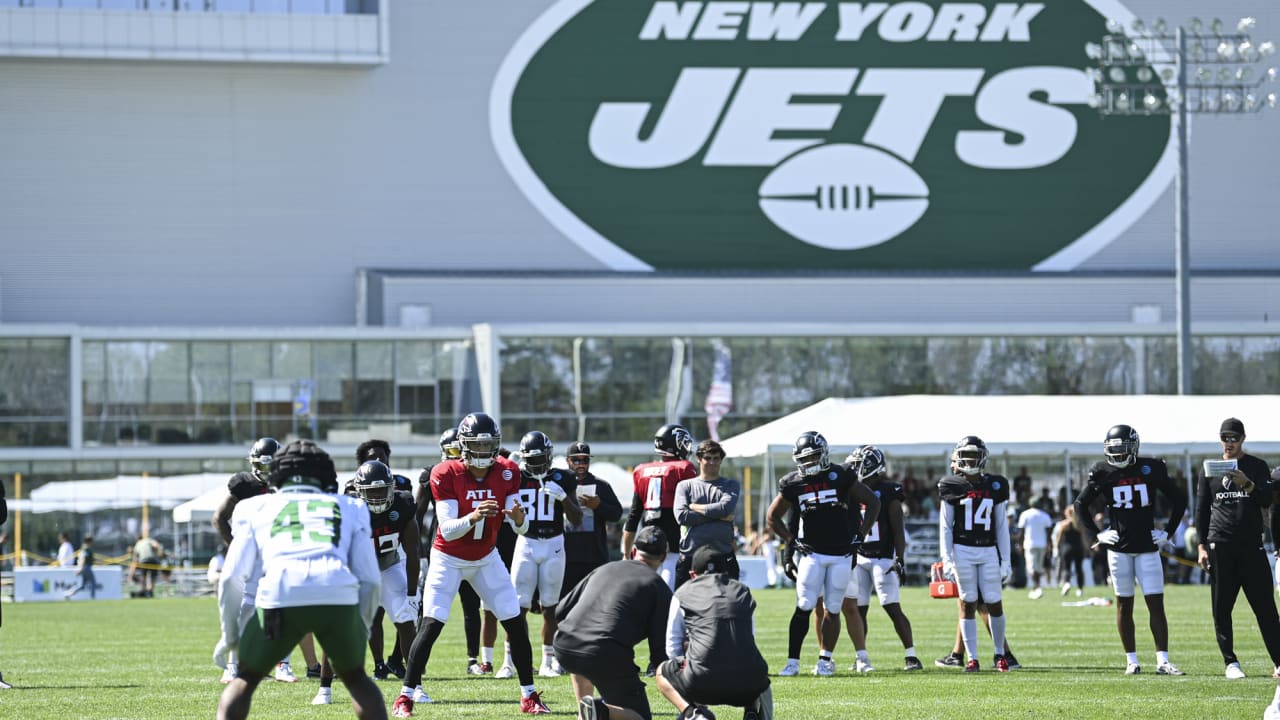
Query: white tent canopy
202, 507
924, 425
122, 492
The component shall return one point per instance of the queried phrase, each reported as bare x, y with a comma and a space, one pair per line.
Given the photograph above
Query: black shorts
724, 686
613, 672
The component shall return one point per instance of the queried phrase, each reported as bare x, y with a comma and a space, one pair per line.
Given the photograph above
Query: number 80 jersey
976, 502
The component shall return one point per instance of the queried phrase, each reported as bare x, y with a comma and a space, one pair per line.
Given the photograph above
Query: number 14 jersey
976, 501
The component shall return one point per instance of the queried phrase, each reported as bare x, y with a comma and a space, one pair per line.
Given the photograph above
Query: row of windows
210, 392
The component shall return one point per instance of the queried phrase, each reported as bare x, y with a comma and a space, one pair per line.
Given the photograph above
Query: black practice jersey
976, 500
879, 542
404, 484
827, 522
388, 525
1226, 513
546, 514
1129, 495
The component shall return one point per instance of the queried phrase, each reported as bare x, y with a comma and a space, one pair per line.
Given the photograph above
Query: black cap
651, 541
706, 560
579, 448
1232, 425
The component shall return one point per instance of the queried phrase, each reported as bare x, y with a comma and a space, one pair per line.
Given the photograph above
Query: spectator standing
1068, 551
602, 619
705, 507
1035, 524
713, 658
84, 571
66, 551
146, 561
586, 545
1229, 513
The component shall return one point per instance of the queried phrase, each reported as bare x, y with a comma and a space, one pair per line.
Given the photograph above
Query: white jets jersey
304, 546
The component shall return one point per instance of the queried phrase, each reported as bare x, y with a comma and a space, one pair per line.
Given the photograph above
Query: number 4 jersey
976, 502
312, 548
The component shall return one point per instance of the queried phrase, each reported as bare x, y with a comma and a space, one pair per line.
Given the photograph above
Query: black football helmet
302, 462
535, 453
450, 448
1121, 446
480, 438
260, 457
969, 455
811, 453
867, 461
674, 441
374, 484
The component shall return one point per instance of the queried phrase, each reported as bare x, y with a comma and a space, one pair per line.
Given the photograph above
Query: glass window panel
291, 360
374, 360
127, 364
168, 372
334, 363
211, 374
250, 360
537, 376
416, 362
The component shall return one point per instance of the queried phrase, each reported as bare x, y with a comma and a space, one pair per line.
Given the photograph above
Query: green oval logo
833, 135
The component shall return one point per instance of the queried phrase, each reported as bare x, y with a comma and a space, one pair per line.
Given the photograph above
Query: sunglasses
1230, 438
580, 460
714, 458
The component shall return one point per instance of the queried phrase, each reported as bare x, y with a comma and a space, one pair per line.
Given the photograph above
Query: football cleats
811, 453
260, 457
867, 461
673, 441
1121, 446
374, 484
480, 438
302, 462
969, 455
450, 448
535, 453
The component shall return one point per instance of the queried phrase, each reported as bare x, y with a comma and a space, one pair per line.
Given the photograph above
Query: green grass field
151, 659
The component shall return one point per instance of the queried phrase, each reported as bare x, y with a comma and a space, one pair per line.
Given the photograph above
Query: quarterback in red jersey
473, 496
654, 499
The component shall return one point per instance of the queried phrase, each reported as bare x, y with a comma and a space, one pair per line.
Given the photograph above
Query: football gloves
789, 562
949, 569
1108, 537
416, 605
1159, 537
552, 488
897, 567
1006, 572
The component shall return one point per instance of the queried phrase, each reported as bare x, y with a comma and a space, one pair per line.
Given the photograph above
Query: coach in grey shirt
705, 508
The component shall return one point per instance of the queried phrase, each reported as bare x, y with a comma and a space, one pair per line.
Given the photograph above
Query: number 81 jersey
976, 501
1130, 499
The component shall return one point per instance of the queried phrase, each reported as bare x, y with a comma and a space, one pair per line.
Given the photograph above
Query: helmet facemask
1120, 452
376, 494
480, 451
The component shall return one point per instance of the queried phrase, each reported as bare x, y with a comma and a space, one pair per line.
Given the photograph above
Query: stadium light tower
1155, 70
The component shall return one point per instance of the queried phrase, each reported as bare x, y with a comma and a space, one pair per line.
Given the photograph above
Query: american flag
720, 395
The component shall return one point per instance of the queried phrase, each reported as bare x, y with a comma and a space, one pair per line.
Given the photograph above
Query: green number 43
321, 520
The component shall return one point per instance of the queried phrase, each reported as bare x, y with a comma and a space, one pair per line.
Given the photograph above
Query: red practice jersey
655, 481
452, 480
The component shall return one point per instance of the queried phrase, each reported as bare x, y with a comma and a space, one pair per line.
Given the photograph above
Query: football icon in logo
843, 197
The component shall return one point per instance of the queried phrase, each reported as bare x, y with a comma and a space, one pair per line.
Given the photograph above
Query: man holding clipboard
586, 544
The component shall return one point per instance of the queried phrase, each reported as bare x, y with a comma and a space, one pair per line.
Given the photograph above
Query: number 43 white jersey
307, 547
